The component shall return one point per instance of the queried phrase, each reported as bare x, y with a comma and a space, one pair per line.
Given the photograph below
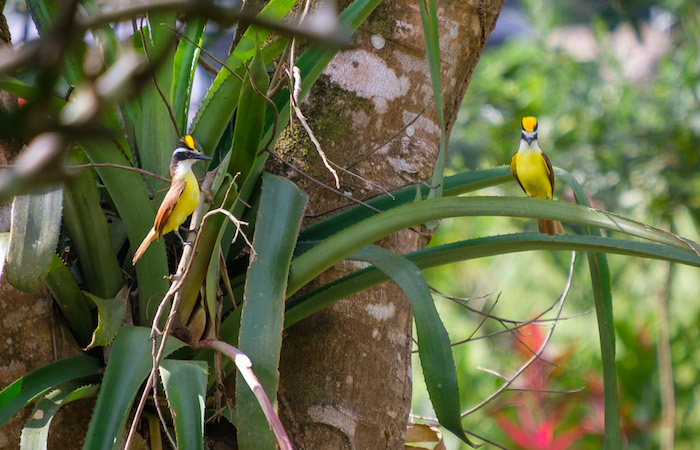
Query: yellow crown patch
190, 141
530, 124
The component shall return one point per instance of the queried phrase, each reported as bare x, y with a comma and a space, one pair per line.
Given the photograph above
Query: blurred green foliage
618, 99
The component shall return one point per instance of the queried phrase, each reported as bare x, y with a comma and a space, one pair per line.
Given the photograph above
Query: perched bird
533, 172
182, 197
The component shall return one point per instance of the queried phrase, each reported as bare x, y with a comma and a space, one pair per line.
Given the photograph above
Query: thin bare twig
294, 96
370, 183
322, 184
535, 356
549, 391
121, 167
244, 366
294, 91
483, 319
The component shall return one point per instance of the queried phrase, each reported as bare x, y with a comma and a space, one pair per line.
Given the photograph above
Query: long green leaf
428, 13
306, 304
602, 296
249, 118
129, 364
15, 396
44, 14
35, 434
433, 341
185, 384
23, 90
184, 65
87, 226
279, 218
309, 265
156, 135
34, 229
209, 237
454, 185
70, 299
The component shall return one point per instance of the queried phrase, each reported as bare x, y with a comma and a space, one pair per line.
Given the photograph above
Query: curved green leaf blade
323, 296
310, 264
428, 15
34, 229
129, 364
70, 299
15, 396
185, 384
602, 296
87, 226
45, 14
433, 341
454, 185
279, 218
184, 65
249, 118
155, 131
35, 433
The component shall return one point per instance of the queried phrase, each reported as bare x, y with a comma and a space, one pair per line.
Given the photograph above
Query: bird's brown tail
550, 227
150, 237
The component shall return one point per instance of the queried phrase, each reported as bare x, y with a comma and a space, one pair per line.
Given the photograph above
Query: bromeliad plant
127, 115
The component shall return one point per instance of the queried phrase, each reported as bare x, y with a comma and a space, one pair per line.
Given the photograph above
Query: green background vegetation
632, 141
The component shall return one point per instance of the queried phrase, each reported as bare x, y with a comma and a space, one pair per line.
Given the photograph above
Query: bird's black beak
202, 156
529, 140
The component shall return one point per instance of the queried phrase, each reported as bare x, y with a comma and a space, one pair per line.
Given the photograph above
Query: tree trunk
346, 371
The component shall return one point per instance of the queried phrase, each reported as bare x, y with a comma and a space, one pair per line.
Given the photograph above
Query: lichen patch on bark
367, 75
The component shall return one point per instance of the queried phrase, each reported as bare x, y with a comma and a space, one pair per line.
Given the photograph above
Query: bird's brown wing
514, 170
550, 171
167, 206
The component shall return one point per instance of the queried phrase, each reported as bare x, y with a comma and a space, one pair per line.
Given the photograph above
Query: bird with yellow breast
533, 171
182, 197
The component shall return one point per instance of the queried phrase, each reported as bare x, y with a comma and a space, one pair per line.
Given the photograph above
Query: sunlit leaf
35, 433
35, 224
279, 218
185, 384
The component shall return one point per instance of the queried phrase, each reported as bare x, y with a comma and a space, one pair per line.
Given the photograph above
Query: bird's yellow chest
185, 205
533, 174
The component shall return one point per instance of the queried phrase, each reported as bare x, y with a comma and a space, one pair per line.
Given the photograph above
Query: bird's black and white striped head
186, 154
529, 131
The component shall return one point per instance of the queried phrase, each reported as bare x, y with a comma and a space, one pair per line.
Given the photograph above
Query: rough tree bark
346, 371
